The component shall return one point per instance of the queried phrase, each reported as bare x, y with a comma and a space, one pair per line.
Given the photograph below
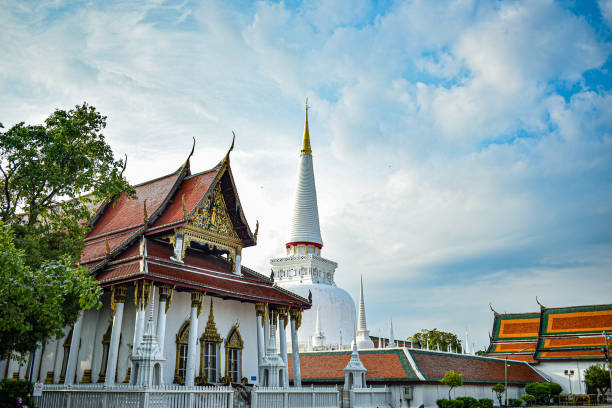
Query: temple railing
130, 396
306, 397
370, 397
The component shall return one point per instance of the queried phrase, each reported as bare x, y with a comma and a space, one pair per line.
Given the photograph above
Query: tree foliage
452, 379
499, 389
53, 177
597, 377
434, 338
528, 398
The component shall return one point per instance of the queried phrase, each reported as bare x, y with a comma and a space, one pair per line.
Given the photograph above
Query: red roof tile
128, 213
193, 188
474, 369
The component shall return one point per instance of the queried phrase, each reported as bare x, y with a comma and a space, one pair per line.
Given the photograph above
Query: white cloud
606, 10
421, 177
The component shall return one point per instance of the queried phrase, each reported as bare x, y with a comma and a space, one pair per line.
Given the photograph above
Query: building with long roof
556, 340
168, 254
304, 271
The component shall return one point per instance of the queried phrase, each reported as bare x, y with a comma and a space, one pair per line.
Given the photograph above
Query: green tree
499, 389
528, 398
598, 377
53, 177
452, 379
481, 353
435, 338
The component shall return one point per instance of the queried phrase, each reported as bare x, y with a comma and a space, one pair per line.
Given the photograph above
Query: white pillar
266, 328
164, 297
57, 365
297, 375
74, 350
113, 349
282, 320
140, 313
260, 311
196, 298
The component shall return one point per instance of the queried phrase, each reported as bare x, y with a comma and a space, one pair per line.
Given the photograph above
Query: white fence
127, 396
320, 397
370, 397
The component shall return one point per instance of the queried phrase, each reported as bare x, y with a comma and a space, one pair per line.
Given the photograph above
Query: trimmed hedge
468, 402
485, 403
515, 402
528, 398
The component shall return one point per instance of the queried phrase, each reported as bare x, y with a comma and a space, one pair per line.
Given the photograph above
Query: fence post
230, 397
68, 399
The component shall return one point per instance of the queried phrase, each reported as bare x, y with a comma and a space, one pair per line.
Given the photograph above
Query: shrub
485, 403
468, 402
554, 390
454, 404
528, 398
12, 390
515, 402
442, 403
540, 391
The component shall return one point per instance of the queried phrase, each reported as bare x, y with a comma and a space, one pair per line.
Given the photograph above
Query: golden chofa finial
306, 142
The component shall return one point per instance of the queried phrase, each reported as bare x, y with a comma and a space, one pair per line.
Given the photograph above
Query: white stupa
362, 336
303, 270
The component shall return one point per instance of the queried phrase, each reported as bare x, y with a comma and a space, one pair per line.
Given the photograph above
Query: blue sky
463, 149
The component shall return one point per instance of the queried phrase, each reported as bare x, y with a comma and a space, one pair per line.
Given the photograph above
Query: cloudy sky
462, 149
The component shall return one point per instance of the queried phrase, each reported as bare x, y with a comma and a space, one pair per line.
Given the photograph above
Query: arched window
65, 358
182, 344
209, 351
233, 354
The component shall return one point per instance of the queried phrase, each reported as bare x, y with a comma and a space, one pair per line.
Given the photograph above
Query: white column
164, 297
266, 328
74, 350
113, 349
140, 315
57, 365
297, 375
260, 311
282, 319
238, 266
196, 298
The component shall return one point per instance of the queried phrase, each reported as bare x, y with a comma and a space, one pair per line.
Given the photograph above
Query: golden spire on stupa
306, 142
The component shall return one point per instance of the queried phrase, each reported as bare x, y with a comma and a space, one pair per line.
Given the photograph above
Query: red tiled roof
434, 365
382, 365
96, 249
128, 213
193, 188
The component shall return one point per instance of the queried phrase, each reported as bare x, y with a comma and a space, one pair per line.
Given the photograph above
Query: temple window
233, 355
105, 346
65, 357
209, 353
182, 345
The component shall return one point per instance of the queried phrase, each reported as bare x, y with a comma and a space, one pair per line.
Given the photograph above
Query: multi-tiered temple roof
564, 333
182, 229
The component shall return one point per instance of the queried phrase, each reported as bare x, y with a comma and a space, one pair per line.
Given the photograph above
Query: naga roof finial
107, 246
541, 305
187, 164
493, 310
256, 230
231, 147
185, 214
145, 215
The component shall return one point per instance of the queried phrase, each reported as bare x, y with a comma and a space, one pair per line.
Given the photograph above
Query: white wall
95, 323
555, 370
428, 394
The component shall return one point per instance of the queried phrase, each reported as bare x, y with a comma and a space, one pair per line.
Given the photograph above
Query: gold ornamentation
256, 230
128, 375
260, 309
233, 341
210, 332
283, 314
170, 298
86, 379
197, 300
306, 142
182, 339
49, 377
142, 293
118, 295
184, 207
213, 215
296, 315
145, 215
107, 249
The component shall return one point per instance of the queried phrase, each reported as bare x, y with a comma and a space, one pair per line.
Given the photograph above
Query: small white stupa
355, 371
272, 367
391, 336
363, 334
318, 339
148, 358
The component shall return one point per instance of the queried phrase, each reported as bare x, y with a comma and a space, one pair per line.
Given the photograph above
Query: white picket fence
370, 397
307, 397
128, 396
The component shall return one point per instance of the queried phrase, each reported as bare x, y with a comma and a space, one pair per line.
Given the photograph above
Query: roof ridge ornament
187, 164
227, 155
493, 310
542, 307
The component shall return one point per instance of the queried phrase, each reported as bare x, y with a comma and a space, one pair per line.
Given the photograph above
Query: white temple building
303, 270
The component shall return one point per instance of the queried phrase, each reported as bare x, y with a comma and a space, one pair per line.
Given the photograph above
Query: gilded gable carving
213, 216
